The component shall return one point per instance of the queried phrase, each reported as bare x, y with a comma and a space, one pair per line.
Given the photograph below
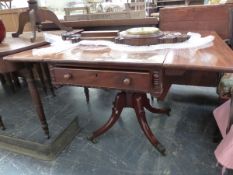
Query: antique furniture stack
99, 9
132, 73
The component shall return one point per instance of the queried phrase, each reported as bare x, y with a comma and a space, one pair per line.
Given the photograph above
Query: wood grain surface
196, 18
215, 58
12, 45
218, 57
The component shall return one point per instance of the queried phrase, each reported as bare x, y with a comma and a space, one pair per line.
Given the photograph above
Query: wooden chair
2, 79
2, 126
44, 76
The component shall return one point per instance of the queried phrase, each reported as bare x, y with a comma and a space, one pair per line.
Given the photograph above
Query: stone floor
187, 134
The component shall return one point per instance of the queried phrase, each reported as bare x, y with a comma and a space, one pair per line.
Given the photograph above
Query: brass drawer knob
126, 81
67, 76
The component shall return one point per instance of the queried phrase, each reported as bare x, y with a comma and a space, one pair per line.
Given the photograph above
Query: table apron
138, 81
191, 77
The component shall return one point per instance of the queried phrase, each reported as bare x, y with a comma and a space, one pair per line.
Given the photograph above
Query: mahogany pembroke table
134, 74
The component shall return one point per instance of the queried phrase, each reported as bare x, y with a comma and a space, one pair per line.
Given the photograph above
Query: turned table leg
137, 101
2, 79
41, 76
2, 126
9, 81
15, 78
86, 91
36, 99
47, 74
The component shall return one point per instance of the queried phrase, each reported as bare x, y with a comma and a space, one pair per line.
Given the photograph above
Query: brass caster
168, 112
2, 126
94, 141
161, 149
47, 136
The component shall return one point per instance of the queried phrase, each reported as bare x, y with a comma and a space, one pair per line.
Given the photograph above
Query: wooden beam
104, 23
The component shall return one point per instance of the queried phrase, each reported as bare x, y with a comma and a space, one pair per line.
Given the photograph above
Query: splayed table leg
137, 101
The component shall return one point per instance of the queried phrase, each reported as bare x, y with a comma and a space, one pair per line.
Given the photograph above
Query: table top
99, 55
12, 45
218, 57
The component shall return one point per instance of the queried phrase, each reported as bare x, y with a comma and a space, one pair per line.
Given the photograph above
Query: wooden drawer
135, 81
